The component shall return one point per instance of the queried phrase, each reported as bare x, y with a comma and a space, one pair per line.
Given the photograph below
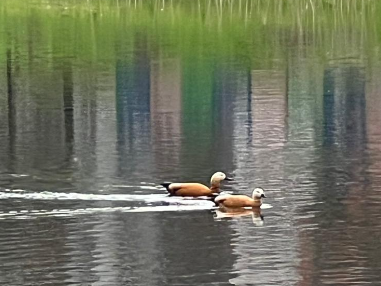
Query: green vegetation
254, 32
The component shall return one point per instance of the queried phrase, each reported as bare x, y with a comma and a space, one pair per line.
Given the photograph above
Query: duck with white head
197, 189
241, 201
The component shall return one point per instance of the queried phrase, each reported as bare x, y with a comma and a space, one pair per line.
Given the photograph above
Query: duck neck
215, 186
257, 202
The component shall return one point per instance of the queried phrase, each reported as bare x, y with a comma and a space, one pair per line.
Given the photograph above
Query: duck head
258, 193
218, 177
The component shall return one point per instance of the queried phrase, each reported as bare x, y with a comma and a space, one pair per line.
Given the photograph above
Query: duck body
241, 201
237, 201
188, 189
197, 189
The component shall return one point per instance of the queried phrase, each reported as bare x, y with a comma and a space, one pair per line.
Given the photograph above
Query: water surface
101, 102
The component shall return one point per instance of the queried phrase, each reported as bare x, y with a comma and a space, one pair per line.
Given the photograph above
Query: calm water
99, 103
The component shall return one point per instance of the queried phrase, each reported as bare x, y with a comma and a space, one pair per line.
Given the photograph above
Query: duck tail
166, 186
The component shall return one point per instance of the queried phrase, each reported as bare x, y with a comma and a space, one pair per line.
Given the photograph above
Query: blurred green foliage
253, 32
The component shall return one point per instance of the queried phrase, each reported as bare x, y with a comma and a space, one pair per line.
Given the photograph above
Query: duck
230, 201
197, 189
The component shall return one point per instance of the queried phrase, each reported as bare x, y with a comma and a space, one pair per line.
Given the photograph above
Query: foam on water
266, 206
173, 203
26, 214
22, 194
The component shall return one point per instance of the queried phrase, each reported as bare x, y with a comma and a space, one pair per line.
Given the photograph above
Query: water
101, 102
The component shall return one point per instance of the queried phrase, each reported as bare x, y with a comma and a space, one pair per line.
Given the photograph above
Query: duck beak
263, 196
228, 179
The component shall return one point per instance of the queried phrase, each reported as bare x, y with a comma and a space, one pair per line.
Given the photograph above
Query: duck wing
187, 189
235, 201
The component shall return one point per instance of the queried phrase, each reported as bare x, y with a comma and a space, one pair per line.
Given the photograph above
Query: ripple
45, 195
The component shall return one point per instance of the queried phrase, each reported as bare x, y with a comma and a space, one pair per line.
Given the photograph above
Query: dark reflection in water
339, 246
102, 103
116, 249
68, 106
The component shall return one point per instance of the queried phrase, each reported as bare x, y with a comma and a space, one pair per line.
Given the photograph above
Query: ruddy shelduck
241, 201
197, 189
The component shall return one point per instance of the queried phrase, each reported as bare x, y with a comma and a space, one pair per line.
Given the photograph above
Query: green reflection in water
43, 35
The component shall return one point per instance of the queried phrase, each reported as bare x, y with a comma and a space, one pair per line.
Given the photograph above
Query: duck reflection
255, 213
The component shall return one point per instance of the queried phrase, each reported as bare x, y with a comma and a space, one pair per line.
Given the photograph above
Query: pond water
101, 101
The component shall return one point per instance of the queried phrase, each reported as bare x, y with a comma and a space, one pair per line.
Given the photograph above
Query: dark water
97, 108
